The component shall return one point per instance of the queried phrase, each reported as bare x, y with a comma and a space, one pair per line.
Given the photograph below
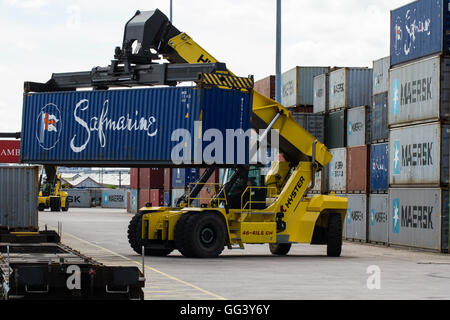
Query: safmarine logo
398, 37
396, 216
396, 158
395, 97
48, 128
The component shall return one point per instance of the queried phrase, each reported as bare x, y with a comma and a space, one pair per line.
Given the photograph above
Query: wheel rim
207, 236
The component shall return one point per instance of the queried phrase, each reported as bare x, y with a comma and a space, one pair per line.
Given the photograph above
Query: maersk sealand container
130, 128
419, 29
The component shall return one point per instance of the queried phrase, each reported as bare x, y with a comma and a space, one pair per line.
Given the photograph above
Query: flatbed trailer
53, 271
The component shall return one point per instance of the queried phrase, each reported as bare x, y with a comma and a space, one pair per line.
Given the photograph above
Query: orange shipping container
357, 169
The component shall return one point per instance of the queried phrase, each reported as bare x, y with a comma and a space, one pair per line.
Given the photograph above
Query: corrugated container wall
321, 182
157, 197
298, 85
357, 169
321, 93
176, 194
338, 170
420, 155
167, 198
133, 201
151, 178
266, 87
130, 128
350, 88
114, 199
313, 123
134, 178
419, 29
181, 178
378, 218
144, 197
19, 198
336, 130
379, 118
379, 168
381, 76
356, 224
167, 179
420, 91
358, 126
419, 218
79, 198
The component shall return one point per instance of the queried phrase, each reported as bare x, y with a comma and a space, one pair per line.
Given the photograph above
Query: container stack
419, 116
348, 137
181, 179
378, 222
298, 88
211, 188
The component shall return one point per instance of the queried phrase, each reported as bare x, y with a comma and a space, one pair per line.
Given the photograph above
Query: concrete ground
363, 272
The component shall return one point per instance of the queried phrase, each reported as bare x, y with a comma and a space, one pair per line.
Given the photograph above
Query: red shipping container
144, 197
157, 197
134, 178
357, 169
302, 109
167, 179
266, 87
151, 178
9, 151
209, 191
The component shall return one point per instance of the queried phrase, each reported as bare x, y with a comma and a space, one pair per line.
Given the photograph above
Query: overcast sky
40, 37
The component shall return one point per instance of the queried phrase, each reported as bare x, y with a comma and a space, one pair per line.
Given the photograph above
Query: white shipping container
381, 75
321, 93
337, 173
356, 220
419, 218
419, 92
298, 85
350, 88
419, 155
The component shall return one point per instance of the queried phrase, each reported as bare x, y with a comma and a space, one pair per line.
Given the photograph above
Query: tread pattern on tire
134, 239
334, 243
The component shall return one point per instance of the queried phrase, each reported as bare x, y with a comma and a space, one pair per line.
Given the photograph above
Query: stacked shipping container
377, 224
418, 118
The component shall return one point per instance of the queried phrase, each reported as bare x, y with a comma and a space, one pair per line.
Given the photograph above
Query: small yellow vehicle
50, 195
240, 213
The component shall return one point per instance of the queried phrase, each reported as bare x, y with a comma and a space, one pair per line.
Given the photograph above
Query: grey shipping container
114, 199
381, 75
321, 182
321, 93
338, 170
356, 221
176, 194
313, 123
379, 118
133, 201
298, 85
358, 122
336, 130
350, 88
419, 218
420, 91
378, 224
79, 198
19, 198
419, 155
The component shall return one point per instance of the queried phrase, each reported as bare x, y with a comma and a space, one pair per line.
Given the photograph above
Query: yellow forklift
50, 195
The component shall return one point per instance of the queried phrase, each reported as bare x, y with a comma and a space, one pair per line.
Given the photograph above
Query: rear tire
200, 235
280, 249
41, 207
334, 242
136, 242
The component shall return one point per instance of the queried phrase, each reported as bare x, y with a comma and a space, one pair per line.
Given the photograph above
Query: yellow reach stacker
249, 218
249, 207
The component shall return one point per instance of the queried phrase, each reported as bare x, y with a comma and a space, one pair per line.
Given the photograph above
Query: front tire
280, 249
200, 235
334, 242
136, 242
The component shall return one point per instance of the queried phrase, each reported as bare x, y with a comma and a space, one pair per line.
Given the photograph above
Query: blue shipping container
125, 127
167, 201
419, 29
379, 168
181, 178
